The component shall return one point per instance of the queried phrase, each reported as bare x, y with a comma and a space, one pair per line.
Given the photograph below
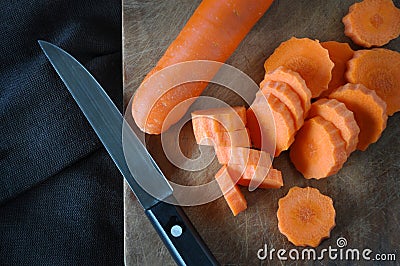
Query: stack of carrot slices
225, 129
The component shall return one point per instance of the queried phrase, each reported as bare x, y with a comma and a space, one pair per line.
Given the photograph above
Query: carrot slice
213, 32
372, 22
232, 194
282, 121
319, 150
295, 81
237, 138
219, 119
271, 178
337, 113
340, 53
308, 58
243, 156
378, 69
289, 97
305, 216
369, 111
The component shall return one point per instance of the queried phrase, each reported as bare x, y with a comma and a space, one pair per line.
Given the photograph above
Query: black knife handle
179, 235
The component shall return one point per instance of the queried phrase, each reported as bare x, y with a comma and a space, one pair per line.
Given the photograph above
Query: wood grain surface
366, 191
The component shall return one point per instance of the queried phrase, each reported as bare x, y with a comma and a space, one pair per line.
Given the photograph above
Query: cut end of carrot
305, 216
242, 156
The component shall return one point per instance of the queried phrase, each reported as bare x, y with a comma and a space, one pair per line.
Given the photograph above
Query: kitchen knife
170, 222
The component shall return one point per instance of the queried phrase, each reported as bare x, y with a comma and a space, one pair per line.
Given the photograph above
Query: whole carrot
212, 33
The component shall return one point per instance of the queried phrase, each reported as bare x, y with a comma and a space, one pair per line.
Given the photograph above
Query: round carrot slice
282, 119
337, 113
295, 81
318, 150
308, 58
305, 216
369, 111
372, 22
340, 53
289, 97
378, 69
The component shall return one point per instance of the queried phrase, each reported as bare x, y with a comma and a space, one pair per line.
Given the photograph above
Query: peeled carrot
318, 150
369, 111
237, 138
308, 58
372, 22
219, 119
295, 81
283, 121
342, 118
305, 216
243, 156
289, 97
212, 33
340, 53
271, 178
232, 194
378, 69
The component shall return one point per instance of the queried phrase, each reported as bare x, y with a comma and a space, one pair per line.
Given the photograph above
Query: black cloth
61, 199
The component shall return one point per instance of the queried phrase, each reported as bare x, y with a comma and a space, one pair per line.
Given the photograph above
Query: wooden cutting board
366, 191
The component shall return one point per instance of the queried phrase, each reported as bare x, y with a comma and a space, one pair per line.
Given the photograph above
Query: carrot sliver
243, 156
219, 119
379, 70
369, 111
318, 150
372, 22
271, 178
342, 118
282, 121
308, 58
237, 138
295, 81
340, 54
289, 97
305, 216
232, 194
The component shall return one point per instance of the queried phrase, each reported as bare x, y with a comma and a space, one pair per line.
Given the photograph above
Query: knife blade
171, 223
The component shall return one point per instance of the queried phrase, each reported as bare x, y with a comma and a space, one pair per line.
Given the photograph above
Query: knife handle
179, 235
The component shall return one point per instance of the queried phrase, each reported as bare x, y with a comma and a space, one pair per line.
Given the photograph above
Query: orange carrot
232, 194
237, 138
372, 22
340, 54
212, 33
243, 156
378, 69
219, 119
295, 81
305, 216
369, 111
283, 122
271, 178
289, 97
318, 150
308, 58
342, 118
